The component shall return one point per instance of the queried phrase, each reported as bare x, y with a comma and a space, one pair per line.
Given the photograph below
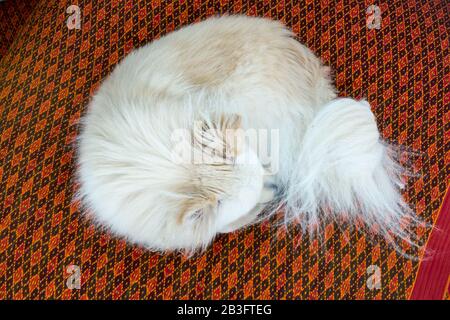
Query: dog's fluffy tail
345, 172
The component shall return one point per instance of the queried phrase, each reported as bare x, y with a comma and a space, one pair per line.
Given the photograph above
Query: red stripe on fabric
433, 274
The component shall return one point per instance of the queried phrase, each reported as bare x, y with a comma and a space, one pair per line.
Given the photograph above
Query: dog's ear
221, 137
231, 126
197, 207
201, 191
216, 142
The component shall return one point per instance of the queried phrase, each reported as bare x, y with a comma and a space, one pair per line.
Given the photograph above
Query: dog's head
225, 174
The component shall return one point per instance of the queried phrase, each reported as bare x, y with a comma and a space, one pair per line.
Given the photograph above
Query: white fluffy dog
195, 133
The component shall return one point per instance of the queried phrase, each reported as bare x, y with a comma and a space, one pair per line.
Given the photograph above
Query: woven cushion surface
48, 73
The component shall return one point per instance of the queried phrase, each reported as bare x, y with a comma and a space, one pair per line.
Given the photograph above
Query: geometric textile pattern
48, 73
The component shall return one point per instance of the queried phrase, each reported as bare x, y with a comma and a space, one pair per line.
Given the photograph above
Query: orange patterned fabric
13, 16
48, 73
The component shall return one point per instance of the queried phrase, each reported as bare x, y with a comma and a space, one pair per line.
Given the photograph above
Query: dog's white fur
345, 172
227, 74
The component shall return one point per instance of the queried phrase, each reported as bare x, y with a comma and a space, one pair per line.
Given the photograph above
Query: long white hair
345, 172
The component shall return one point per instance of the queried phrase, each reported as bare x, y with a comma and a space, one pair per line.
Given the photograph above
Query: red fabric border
433, 275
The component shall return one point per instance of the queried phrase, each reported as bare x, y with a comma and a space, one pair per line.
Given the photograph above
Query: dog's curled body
222, 75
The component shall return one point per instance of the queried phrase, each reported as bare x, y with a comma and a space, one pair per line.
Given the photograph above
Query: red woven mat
48, 72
